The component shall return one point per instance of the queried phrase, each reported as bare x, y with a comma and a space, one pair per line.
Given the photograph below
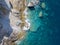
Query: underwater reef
29, 22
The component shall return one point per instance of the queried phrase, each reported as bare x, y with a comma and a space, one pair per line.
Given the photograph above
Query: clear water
44, 31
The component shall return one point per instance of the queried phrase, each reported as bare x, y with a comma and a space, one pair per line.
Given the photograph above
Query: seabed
27, 19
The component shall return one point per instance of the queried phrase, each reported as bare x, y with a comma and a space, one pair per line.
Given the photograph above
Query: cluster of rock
5, 29
32, 3
10, 23
9, 40
8, 33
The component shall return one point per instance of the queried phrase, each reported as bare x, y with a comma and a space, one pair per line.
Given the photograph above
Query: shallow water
44, 31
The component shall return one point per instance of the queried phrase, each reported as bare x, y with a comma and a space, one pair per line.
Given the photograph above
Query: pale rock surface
11, 27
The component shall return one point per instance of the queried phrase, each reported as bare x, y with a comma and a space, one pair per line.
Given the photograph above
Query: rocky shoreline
13, 19
15, 22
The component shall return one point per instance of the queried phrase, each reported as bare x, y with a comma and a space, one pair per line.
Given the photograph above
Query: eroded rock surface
5, 28
11, 30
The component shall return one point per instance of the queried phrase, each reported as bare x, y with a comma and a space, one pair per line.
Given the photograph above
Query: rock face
9, 40
4, 7
14, 19
5, 28
11, 23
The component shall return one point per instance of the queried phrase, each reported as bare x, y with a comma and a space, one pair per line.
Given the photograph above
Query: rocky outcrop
4, 7
12, 24
5, 28
9, 40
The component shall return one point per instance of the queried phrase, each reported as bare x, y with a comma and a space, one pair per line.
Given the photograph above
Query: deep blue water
46, 30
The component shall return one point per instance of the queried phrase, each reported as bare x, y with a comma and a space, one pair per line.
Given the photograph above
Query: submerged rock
43, 5
41, 14
36, 2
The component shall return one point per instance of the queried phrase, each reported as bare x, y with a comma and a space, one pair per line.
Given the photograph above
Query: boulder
41, 14
31, 5
43, 5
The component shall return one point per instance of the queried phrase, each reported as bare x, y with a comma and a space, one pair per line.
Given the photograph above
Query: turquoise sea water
45, 30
